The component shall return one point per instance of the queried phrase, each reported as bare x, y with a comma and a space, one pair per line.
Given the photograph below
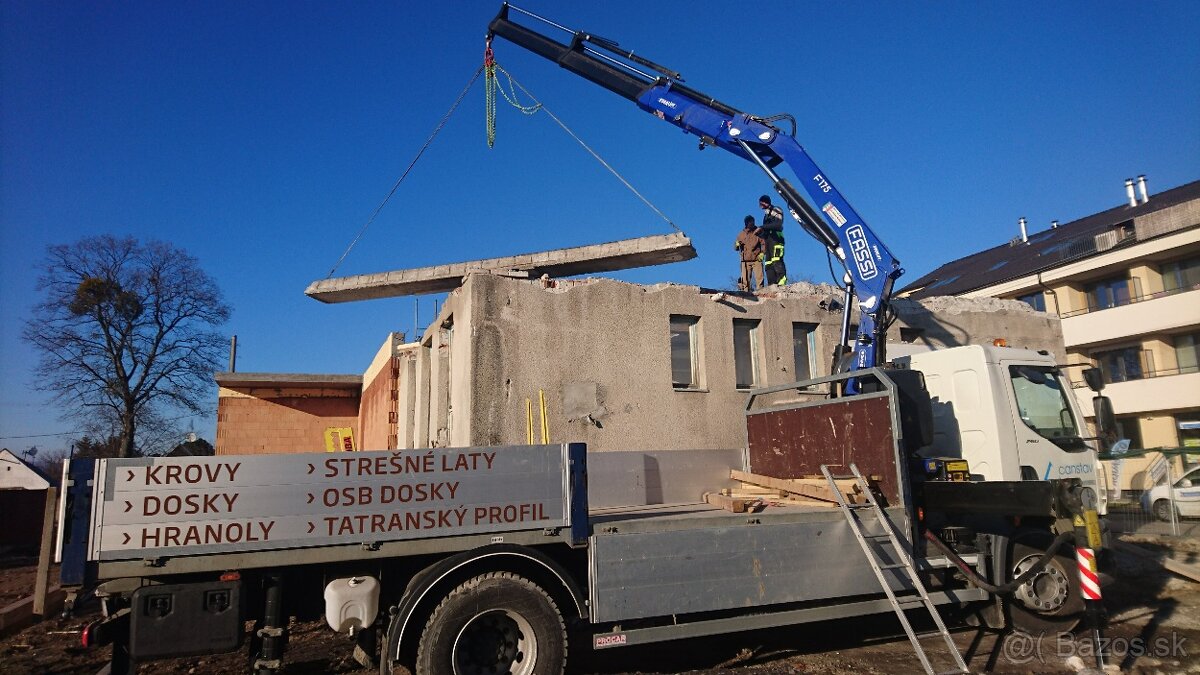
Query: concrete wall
952, 322
282, 419
431, 381
406, 392
439, 344
600, 350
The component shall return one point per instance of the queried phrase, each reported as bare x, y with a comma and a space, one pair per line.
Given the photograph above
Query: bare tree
126, 331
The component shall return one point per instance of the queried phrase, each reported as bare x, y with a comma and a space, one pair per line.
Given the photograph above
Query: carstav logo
1074, 469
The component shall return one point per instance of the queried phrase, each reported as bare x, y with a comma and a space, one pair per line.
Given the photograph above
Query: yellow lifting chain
491, 86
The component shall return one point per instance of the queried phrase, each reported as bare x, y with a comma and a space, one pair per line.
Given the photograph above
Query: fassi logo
861, 251
669, 104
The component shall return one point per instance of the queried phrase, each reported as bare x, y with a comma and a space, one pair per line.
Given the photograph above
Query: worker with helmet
772, 233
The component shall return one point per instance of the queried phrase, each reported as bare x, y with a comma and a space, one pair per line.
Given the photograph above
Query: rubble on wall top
949, 304
802, 289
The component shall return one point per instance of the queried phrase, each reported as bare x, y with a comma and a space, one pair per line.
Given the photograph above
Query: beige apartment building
1126, 284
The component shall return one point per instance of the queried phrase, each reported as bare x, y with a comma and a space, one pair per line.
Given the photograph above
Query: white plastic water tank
352, 603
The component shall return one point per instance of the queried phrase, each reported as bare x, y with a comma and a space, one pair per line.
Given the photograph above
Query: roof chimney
1024, 234
1054, 224
1142, 188
1129, 192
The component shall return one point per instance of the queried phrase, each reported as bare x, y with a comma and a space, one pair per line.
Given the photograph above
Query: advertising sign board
162, 506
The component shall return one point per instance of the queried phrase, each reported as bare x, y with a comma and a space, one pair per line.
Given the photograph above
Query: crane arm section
871, 268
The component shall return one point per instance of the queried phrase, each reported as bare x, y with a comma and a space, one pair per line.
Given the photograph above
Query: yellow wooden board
339, 439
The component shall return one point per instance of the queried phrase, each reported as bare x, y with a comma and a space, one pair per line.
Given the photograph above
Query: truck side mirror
1106, 421
1094, 379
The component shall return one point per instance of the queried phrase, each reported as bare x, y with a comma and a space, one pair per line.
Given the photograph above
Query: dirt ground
1154, 627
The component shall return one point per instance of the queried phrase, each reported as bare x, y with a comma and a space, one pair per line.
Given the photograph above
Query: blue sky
260, 136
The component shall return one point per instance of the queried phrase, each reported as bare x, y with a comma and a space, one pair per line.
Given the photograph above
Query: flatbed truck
509, 559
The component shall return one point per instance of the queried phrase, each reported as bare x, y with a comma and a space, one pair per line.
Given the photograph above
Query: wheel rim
1162, 510
495, 643
1047, 591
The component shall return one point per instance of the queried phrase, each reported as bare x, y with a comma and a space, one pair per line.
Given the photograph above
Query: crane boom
871, 269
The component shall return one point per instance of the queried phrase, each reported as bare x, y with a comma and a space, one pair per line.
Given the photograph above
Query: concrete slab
566, 262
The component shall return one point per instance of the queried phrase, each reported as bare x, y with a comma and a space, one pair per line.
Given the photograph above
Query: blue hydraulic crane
871, 269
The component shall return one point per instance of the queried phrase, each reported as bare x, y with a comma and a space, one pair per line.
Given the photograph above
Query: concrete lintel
566, 262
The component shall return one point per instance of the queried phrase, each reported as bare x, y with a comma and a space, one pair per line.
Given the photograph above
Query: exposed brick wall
377, 413
284, 424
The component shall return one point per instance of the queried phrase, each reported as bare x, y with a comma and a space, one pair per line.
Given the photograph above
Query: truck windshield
1043, 405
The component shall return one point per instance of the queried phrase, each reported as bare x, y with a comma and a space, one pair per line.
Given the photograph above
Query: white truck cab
1009, 412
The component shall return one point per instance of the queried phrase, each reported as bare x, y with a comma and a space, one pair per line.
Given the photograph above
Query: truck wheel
494, 623
1052, 600
1162, 510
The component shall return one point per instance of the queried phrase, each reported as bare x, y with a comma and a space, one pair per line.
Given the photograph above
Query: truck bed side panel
636, 478
811, 556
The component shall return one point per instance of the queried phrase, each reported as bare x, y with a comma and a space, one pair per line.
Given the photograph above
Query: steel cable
411, 164
593, 153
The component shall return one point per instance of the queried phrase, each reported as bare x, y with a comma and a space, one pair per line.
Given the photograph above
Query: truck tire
494, 623
1052, 601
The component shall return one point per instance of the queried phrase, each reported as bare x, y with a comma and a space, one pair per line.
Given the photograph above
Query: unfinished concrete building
622, 366
626, 366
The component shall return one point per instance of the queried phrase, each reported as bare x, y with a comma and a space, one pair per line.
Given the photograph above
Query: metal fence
1154, 492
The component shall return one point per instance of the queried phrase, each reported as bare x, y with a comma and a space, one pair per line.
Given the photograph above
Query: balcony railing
1134, 297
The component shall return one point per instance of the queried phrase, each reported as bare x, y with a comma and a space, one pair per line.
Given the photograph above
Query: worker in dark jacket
772, 235
751, 247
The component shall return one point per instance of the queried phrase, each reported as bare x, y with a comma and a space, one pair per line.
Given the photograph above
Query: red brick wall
251, 425
377, 412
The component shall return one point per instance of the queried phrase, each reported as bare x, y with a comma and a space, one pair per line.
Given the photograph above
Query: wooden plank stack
758, 491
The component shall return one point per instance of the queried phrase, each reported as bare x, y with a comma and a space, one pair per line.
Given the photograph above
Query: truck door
1048, 432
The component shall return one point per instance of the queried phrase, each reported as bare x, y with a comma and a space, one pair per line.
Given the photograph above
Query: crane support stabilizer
564, 262
872, 268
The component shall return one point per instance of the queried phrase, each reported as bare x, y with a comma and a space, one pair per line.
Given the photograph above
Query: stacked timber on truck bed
757, 492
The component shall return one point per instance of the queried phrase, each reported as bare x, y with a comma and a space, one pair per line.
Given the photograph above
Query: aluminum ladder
906, 565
